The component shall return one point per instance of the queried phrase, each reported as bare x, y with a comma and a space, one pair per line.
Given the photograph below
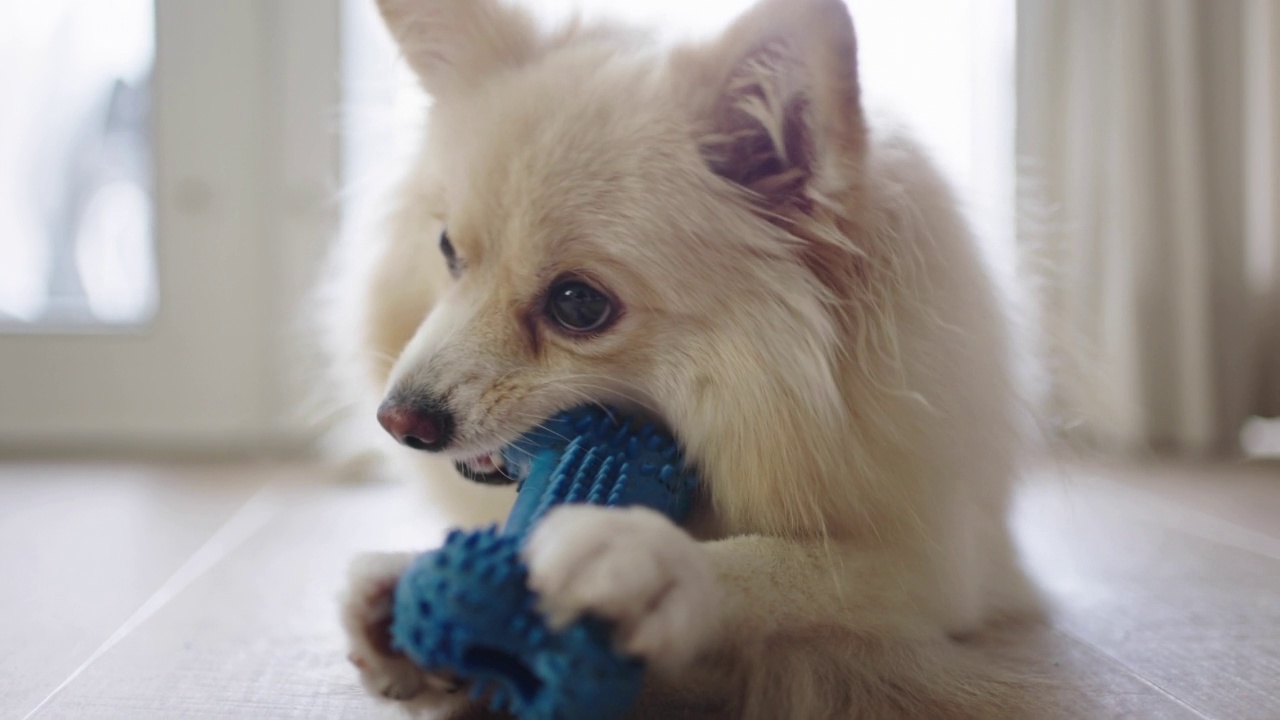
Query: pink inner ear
783, 117
762, 138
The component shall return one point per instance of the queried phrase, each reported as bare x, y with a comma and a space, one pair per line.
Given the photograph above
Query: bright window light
944, 67
75, 169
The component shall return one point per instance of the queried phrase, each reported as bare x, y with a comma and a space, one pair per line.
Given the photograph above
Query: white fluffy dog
718, 235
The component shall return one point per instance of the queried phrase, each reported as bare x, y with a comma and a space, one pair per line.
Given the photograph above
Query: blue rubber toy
466, 608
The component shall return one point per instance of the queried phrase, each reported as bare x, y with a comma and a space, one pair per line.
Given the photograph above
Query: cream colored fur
803, 304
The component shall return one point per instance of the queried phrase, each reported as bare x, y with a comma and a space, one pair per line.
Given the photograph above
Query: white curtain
1149, 182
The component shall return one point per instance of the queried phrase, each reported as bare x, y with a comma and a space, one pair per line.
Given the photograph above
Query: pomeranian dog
717, 235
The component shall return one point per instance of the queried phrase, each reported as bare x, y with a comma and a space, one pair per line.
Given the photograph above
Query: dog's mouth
485, 468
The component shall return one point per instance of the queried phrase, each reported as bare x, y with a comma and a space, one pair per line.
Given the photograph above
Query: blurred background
172, 174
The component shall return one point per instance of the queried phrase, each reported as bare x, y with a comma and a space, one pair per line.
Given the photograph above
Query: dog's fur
800, 301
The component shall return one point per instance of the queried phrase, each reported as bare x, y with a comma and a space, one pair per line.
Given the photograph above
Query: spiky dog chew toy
466, 607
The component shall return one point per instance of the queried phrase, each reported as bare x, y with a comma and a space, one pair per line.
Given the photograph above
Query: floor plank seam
1207, 527
247, 520
1140, 677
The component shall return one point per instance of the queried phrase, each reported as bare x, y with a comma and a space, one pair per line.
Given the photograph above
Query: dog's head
664, 230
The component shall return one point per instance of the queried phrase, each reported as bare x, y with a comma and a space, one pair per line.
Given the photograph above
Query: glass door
165, 169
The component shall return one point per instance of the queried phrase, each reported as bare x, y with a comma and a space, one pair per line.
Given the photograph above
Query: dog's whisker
611, 391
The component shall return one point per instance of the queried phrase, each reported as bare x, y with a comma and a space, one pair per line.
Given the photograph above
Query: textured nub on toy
466, 607
588, 456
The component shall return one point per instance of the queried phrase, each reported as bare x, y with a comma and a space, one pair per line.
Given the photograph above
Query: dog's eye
578, 307
450, 255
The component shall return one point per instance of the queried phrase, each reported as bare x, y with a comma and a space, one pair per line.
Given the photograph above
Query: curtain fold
1148, 176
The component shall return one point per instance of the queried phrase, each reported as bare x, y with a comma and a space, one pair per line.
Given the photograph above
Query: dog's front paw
366, 616
631, 566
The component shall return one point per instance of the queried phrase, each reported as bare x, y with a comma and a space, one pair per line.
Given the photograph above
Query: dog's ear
454, 44
776, 100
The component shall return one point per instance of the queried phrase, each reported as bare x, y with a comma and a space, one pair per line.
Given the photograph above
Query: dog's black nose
421, 425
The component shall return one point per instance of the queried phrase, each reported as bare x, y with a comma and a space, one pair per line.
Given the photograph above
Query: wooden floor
208, 592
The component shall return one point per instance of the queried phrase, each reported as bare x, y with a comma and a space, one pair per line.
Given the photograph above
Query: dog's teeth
485, 464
